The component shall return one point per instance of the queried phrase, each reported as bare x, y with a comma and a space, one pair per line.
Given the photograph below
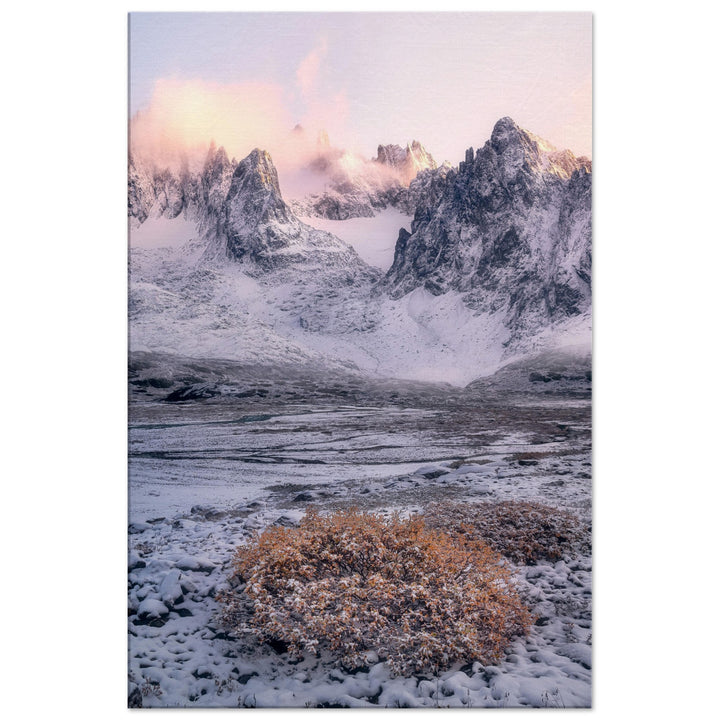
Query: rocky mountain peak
505, 133
418, 158
254, 196
257, 173
216, 164
392, 155
510, 230
408, 162
517, 149
259, 229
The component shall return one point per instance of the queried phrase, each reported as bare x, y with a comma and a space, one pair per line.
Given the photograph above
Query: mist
184, 117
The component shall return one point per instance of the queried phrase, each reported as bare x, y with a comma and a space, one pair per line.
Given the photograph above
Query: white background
63, 300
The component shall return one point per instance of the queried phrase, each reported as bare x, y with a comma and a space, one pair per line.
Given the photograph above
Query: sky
246, 79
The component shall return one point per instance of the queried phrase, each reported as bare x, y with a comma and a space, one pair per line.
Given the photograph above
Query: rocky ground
207, 473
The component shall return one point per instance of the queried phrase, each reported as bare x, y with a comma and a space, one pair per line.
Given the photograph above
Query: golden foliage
354, 582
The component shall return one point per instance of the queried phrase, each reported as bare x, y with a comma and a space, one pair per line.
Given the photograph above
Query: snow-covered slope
373, 238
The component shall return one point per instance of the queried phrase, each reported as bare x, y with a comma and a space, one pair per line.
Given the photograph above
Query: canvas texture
360, 360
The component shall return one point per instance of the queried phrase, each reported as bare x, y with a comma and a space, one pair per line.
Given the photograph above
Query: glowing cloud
307, 72
184, 116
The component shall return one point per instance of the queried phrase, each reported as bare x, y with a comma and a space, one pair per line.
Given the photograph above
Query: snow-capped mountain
494, 266
407, 162
258, 228
213, 187
510, 230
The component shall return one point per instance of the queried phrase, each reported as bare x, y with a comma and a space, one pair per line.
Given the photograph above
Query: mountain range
493, 264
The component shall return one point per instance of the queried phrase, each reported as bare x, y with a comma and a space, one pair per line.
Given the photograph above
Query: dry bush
521, 530
355, 582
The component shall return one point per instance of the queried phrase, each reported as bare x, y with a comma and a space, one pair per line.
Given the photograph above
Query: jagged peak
259, 168
255, 191
390, 154
408, 161
505, 124
507, 133
215, 156
509, 139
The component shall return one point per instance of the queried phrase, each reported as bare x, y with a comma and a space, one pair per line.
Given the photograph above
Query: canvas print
360, 376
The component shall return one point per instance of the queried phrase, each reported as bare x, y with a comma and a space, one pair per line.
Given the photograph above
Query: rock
161, 383
151, 609
243, 679
135, 698
200, 564
170, 589
135, 562
201, 391
138, 527
304, 496
430, 472
407, 162
207, 512
260, 230
511, 231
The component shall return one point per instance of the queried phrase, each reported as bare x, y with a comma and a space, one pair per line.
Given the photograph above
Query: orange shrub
522, 530
355, 582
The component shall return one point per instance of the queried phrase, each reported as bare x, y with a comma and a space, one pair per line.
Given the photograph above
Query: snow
191, 509
182, 304
162, 232
330, 430
373, 238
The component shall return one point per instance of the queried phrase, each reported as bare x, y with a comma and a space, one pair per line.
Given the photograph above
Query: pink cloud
186, 114
307, 72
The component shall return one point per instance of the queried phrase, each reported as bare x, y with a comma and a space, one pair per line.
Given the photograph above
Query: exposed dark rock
510, 230
243, 679
192, 392
135, 698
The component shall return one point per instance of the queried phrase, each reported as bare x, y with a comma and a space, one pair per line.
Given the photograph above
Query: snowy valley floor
206, 473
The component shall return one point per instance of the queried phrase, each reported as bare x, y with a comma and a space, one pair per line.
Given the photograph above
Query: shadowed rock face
215, 179
253, 204
510, 229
